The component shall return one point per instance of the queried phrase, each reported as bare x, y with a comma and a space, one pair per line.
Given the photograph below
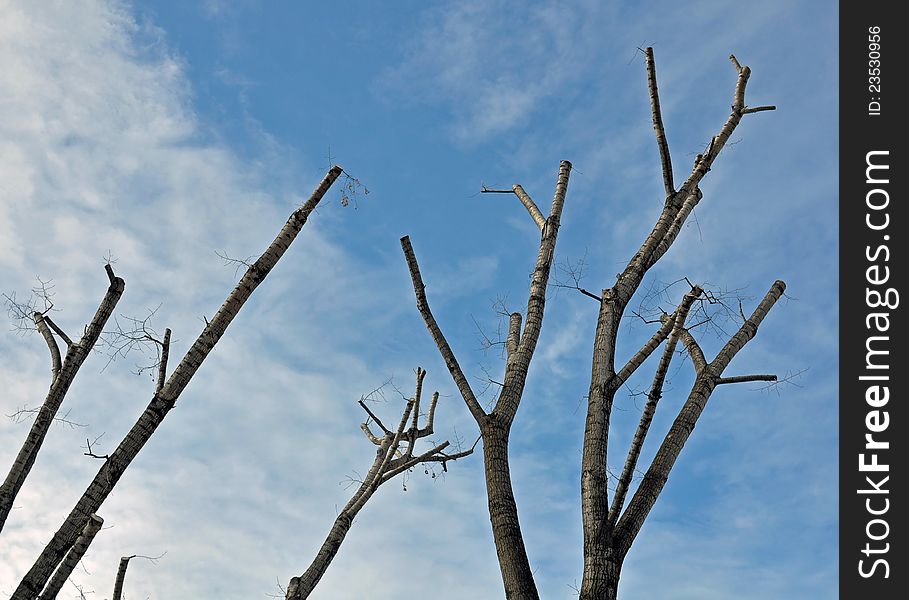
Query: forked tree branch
631, 521
604, 545
653, 397
388, 463
76, 354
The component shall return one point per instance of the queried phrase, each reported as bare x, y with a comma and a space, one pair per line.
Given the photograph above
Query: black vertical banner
874, 438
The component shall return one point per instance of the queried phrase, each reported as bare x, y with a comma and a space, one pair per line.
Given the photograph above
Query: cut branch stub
658, 128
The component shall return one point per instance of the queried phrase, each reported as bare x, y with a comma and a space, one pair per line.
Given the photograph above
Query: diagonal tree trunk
165, 398
63, 373
72, 559
391, 460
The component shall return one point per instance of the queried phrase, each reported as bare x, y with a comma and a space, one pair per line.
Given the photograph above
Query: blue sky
162, 132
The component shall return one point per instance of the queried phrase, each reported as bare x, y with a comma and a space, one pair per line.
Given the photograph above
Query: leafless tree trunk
495, 426
63, 372
121, 577
73, 557
164, 399
391, 460
608, 532
121, 572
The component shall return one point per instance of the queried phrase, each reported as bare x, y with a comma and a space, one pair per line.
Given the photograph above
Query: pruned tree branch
513, 340
76, 354
694, 350
45, 331
448, 356
745, 379
531, 207
57, 330
646, 350
653, 397
162, 363
165, 399
389, 462
121, 572
659, 130
494, 427
631, 521
525, 199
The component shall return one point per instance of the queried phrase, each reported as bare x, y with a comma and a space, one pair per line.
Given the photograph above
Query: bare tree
495, 426
608, 530
63, 372
391, 460
167, 391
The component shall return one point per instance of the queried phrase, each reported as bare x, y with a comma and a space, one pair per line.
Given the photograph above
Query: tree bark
163, 401
72, 558
121, 577
63, 375
301, 587
503, 515
603, 550
495, 427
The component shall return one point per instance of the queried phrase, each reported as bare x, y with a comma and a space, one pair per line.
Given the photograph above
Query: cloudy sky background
161, 132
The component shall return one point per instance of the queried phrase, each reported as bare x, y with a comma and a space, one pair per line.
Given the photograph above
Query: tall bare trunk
503, 515
391, 460
165, 398
607, 535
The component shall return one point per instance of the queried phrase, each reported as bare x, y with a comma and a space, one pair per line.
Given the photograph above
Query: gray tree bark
121, 577
165, 398
391, 460
495, 426
608, 533
73, 557
63, 373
